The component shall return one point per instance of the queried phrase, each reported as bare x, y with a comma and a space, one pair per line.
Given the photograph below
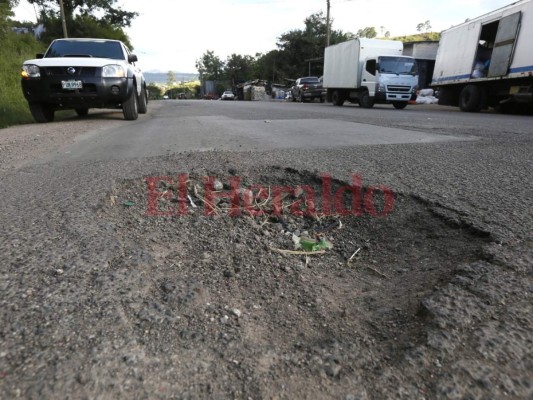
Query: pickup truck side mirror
39, 55
132, 58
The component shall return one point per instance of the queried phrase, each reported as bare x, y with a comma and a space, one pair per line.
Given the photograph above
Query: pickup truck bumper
96, 92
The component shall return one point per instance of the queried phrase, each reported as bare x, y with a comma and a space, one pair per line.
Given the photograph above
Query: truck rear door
504, 45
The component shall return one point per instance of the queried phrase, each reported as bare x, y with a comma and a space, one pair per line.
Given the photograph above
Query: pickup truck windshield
67, 48
397, 65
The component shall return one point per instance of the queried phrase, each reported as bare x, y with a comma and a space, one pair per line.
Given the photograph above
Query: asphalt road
473, 170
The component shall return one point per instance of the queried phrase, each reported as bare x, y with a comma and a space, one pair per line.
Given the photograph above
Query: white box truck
488, 61
369, 71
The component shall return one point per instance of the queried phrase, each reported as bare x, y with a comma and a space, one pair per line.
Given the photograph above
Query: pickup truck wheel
143, 101
82, 112
365, 101
399, 105
337, 99
130, 107
470, 99
41, 113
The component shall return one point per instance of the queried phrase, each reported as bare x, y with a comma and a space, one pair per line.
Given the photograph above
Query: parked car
308, 88
80, 74
227, 95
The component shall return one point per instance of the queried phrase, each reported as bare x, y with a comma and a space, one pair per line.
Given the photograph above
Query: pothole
215, 275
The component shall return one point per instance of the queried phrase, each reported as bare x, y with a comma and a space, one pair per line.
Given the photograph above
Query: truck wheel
41, 113
130, 107
365, 101
143, 102
337, 99
82, 112
399, 105
470, 99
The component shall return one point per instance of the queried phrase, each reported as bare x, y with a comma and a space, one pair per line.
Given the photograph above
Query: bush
14, 50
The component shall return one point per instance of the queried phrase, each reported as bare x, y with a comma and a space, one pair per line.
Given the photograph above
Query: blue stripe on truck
467, 76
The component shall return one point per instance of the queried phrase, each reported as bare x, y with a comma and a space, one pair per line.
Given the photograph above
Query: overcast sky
172, 34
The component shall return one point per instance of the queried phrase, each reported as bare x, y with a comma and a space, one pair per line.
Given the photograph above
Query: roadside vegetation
13, 51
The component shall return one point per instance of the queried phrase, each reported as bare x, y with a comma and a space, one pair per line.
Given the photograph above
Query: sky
173, 34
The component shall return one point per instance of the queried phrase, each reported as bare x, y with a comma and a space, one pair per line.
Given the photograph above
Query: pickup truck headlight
30, 71
113, 71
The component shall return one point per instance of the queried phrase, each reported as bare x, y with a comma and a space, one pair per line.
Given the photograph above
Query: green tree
297, 48
107, 10
210, 66
85, 18
171, 78
368, 32
5, 13
239, 68
424, 26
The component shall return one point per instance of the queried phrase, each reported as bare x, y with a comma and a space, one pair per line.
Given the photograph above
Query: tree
239, 68
5, 13
105, 10
210, 66
368, 32
85, 18
298, 48
424, 26
171, 78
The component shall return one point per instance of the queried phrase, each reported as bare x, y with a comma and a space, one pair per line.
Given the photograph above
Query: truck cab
390, 79
369, 71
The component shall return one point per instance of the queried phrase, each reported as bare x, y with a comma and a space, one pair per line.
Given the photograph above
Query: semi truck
488, 61
369, 71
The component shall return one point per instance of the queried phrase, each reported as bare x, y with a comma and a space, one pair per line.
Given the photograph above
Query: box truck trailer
368, 72
487, 61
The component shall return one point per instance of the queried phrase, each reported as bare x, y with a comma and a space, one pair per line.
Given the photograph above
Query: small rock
333, 370
59, 271
217, 185
228, 274
237, 312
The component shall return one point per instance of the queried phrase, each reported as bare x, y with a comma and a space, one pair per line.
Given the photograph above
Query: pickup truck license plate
71, 85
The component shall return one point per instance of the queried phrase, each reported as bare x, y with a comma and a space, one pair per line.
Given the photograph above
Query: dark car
308, 88
80, 74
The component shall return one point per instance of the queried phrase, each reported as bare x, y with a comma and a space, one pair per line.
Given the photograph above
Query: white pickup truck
80, 74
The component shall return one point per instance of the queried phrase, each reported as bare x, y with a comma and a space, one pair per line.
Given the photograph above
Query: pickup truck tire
399, 105
365, 101
82, 112
143, 102
337, 98
471, 99
130, 108
41, 113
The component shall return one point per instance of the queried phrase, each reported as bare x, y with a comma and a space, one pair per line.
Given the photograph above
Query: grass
14, 49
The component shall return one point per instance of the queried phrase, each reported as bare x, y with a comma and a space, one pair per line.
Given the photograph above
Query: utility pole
63, 20
328, 24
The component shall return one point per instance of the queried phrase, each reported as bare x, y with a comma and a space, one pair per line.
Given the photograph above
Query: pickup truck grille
398, 89
62, 71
